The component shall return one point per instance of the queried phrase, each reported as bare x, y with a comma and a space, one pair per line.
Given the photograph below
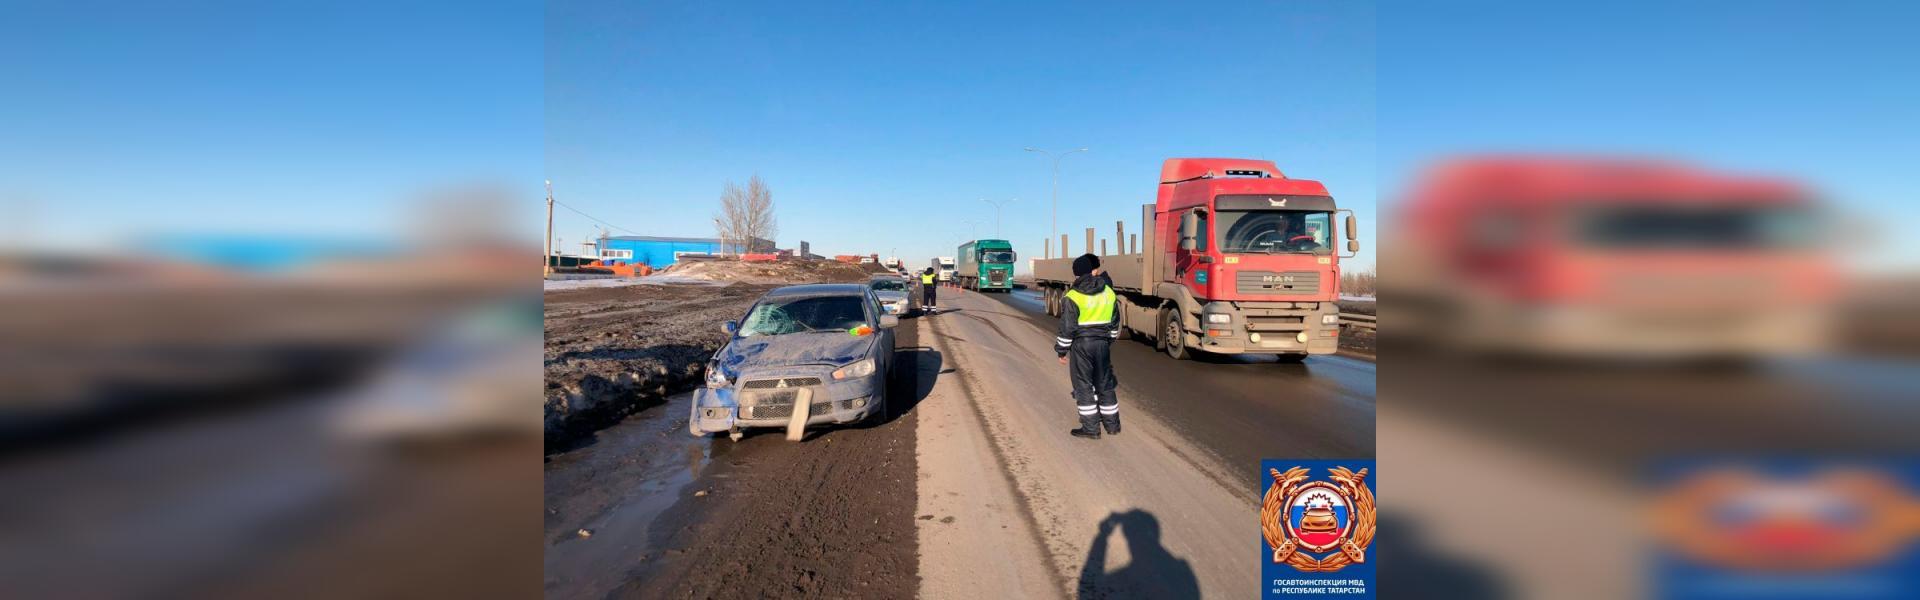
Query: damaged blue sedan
805, 355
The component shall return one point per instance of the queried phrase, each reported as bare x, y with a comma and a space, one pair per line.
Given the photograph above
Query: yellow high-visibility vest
926, 279
1096, 309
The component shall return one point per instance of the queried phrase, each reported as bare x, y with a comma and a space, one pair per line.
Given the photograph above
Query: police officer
926, 290
1087, 331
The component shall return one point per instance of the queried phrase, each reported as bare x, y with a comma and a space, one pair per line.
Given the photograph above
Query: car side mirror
889, 321
730, 327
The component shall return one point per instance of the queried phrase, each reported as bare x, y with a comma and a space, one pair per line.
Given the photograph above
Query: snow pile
775, 272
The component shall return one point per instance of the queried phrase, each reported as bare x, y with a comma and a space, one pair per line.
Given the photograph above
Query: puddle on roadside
673, 459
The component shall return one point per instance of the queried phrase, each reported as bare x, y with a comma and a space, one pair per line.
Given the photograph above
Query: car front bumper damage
737, 406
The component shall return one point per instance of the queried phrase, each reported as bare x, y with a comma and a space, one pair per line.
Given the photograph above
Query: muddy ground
788, 271
672, 516
611, 352
616, 350
88, 359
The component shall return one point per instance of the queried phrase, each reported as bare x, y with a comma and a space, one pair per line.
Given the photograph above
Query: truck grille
1284, 283
997, 277
792, 382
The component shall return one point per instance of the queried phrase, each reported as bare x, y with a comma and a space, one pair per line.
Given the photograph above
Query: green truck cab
986, 265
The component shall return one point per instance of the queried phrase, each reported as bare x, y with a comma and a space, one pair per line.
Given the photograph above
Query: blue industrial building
661, 252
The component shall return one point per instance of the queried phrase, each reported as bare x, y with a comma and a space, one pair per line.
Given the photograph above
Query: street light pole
996, 213
546, 262
1056, 184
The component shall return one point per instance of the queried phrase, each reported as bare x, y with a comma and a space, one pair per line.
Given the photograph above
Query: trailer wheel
1172, 335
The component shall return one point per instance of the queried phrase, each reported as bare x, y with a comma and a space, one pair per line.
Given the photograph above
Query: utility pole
996, 213
546, 261
1056, 183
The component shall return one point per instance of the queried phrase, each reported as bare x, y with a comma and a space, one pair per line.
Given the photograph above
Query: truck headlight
859, 369
715, 378
1219, 318
1329, 319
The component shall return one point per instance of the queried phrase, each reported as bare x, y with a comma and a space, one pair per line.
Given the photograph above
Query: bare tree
746, 215
1358, 283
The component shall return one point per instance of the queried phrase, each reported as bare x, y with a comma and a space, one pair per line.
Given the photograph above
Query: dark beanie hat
1085, 264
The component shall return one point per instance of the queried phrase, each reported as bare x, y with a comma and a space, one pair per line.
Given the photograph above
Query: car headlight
1219, 318
859, 369
715, 378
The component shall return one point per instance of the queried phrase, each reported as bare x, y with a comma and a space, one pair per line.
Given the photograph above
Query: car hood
890, 295
821, 348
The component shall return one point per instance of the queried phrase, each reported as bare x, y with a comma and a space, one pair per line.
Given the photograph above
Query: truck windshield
1274, 231
1670, 226
781, 316
997, 258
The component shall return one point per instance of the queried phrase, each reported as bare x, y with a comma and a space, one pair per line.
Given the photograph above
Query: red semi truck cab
1257, 236
1234, 258
1254, 249
1602, 257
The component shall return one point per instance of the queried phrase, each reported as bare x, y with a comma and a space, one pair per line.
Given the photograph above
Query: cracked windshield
832, 313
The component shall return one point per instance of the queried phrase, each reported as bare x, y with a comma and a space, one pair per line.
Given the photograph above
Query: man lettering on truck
927, 290
1087, 331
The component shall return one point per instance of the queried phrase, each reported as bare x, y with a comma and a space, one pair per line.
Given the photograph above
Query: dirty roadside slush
616, 351
617, 347
636, 507
669, 515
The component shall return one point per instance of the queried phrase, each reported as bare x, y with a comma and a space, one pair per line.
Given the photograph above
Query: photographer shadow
1152, 573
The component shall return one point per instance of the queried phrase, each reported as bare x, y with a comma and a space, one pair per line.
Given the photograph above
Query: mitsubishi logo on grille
783, 383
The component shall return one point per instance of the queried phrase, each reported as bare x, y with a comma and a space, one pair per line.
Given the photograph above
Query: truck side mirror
1353, 234
1189, 229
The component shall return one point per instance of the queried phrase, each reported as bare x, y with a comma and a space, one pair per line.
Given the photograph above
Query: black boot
1089, 427
1111, 422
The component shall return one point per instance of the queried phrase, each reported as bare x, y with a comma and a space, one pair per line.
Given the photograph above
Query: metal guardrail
1359, 320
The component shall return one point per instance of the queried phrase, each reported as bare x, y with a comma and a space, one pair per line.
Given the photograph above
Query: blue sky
880, 126
310, 118
1821, 91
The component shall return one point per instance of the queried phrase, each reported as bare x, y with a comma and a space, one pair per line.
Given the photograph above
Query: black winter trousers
1090, 363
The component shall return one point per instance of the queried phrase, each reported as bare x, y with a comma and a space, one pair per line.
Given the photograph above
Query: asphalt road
975, 474
1239, 408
